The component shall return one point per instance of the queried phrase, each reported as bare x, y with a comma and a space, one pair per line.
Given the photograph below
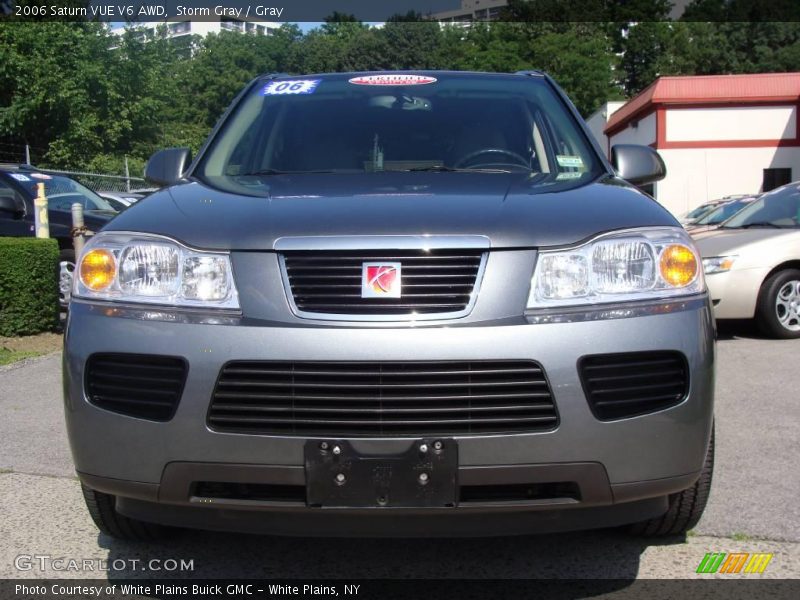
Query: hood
721, 241
513, 210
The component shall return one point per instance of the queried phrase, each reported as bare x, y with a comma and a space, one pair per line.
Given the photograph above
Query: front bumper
623, 469
734, 293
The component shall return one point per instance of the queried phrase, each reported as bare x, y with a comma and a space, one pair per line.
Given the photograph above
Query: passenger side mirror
9, 205
637, 164
166, 167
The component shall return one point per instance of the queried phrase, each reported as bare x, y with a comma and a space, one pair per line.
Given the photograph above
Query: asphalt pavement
753, 505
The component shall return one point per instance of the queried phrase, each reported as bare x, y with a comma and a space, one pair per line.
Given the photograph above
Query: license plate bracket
423, 476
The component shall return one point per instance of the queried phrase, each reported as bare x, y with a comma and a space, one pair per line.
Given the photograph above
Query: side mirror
166, 167
9, 205
637, 164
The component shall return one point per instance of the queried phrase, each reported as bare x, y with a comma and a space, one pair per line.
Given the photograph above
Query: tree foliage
89, 98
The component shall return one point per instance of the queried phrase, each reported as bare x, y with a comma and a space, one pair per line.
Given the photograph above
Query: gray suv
393, 304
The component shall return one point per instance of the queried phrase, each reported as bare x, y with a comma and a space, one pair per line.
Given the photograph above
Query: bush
28, 285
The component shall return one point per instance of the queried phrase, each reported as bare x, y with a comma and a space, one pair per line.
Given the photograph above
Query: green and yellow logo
735, 562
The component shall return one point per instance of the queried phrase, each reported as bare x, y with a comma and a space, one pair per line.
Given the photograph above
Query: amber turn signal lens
98, 268
678, 265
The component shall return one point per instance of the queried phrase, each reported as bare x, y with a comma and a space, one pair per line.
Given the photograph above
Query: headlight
148, 269
635, 264
718, 264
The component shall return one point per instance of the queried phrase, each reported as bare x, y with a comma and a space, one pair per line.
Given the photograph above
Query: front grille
144, 386
636, 383
362, 399
433, 282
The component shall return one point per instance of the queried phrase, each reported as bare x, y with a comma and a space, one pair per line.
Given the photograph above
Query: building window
232, 25
774, 178
178, 28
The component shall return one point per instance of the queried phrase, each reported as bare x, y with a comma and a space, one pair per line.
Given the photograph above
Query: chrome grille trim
382, 246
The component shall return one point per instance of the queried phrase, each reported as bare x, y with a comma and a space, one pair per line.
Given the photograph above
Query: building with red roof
719, 135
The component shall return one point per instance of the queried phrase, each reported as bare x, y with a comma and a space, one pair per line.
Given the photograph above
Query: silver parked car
752, 263
398, 304
719, 215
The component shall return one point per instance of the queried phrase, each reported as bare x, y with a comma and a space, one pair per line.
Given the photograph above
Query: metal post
27, 154
41, 221
78, 229
127, 176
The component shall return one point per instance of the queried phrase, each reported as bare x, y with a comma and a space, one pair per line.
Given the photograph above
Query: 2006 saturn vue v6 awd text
393, 304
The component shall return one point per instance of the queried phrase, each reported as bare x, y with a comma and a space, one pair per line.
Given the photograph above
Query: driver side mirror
8, 204
637, 164
166, 167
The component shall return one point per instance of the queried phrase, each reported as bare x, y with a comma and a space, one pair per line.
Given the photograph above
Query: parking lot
753, 505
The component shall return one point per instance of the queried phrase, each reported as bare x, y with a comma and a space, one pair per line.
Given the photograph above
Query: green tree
54, 89
410, 45
222, 64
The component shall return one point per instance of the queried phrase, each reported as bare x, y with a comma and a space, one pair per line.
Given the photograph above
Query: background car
752, 263
719, 215
122, 200
699, 211
18, 188
706, 208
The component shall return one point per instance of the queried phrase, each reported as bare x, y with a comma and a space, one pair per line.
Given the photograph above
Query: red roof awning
707, 89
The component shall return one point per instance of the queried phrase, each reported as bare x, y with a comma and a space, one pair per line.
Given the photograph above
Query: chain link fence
100, 182
14, 153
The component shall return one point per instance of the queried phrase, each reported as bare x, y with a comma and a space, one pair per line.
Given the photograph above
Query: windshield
724, 212
63, 192
698, 212
367, 124
779, 208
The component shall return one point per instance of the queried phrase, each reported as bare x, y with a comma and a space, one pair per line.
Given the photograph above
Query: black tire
767, 311
64, 256
110, 522
685, 508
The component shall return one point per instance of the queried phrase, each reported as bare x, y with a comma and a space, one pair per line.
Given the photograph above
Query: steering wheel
518, 159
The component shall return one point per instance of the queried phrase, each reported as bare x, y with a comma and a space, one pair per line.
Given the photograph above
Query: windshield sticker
570, 175
295, 86
40, 176
569, 161
19, 177
398, 79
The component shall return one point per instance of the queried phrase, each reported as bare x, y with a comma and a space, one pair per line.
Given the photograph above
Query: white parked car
752, 263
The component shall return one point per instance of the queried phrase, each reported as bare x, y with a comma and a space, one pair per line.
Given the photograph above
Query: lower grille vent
257, 492
636, 383
519, 492
382, 398
144, 386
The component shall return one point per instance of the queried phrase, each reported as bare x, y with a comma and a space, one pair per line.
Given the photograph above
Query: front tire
778, 308
104, 514
685, 508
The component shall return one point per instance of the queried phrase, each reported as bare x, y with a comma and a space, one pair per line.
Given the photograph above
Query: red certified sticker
393, 79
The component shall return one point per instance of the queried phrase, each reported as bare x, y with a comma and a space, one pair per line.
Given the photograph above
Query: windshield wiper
761, 224
281, 172
444, 169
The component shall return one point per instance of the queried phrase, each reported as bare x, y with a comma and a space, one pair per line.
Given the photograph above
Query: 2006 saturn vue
393, 304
